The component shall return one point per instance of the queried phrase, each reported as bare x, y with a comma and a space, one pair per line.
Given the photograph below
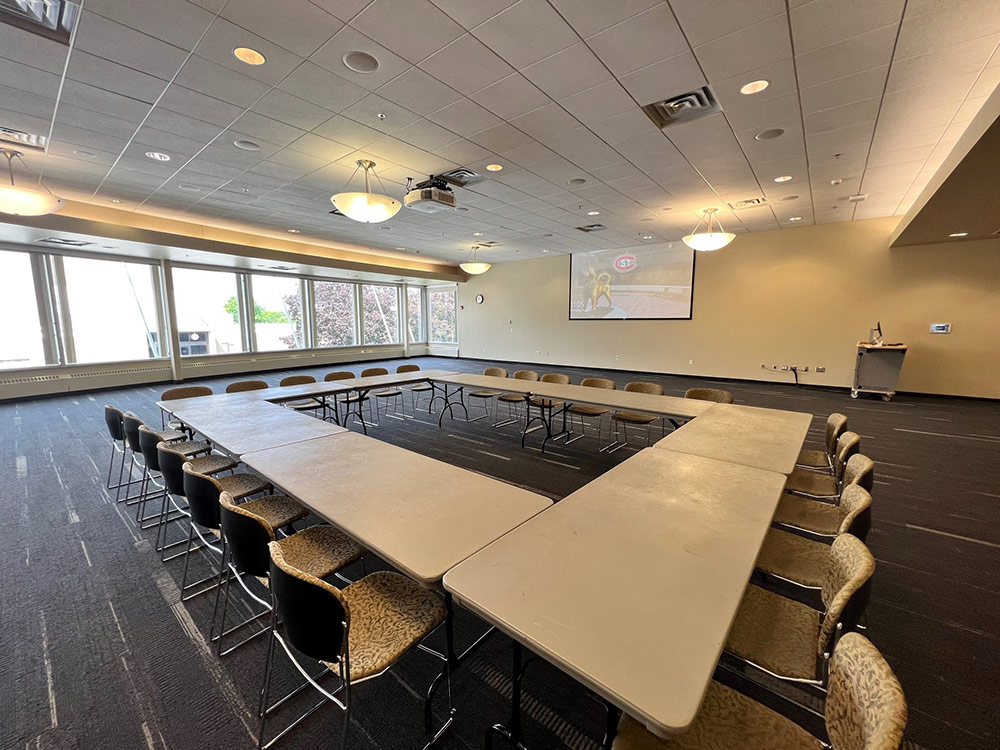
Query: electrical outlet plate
940, 327
820, 369
784, 367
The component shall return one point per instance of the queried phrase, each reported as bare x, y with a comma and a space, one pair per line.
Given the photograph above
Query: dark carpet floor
97, 651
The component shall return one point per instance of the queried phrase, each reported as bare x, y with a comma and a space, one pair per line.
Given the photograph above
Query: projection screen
633, 283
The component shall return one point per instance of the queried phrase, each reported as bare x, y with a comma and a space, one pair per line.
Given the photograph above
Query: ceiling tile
380, 114
223, 37
89, 97
465, 117
747, 49
568, 72
291, 110
319, 86
425, 134
589, 18
500, 138
511, 97
177, 22
642, 40
469, 14
946, 25
133, 49
583, 148
211, 79
817, 25
297, 25
257, 126
702, 22
331, 56
546, 121
864, 85
467, 65
348, 131
103, 74
526, 32
842, 116
675, 75
750, 112
870, 50
31, 49
622, 127
419, 92
599, 103
199, 106
425, 30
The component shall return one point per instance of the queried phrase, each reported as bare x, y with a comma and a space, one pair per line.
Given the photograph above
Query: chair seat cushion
388, 393
212, 464
277, 510
794, 558
811, 483
420, 387
634, 417
813, 459
588, 411
778, 634
812, 515
727, 720
320, 550
170, 436
241, 485
547, 403
304, 404
190, 447
389, 614
483, 394
511, 397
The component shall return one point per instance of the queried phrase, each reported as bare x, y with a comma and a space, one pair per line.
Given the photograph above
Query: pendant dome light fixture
366, 207
475, 266
21, 200
708, 239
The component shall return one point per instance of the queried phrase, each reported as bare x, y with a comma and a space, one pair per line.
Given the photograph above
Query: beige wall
801, 296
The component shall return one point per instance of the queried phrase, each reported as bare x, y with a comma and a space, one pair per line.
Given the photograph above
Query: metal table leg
449, 404
513, 732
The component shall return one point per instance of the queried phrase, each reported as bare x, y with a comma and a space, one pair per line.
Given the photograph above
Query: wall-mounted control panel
940, 327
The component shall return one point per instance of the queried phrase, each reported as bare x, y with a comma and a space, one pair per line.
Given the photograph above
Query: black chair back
202, 494
171, 465
312, 614
131, 425
148, 441
113, 418
247, 537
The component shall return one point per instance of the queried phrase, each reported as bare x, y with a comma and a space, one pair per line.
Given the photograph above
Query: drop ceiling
871, 95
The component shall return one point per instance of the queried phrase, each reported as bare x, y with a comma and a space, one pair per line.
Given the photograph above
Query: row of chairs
798, 623
352, 630
579, 414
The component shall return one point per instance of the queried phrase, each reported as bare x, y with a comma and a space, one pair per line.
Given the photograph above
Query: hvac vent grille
53, 19
748, 203
65, 242
12, 137
592, 228
683, 108
461, 177
102, 373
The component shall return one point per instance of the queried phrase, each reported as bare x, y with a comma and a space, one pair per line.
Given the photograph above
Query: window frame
428, 290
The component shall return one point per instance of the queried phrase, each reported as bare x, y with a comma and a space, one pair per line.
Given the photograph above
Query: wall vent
592, 228
21, 139
461, 177
102, 373
53, 19
64, 242
748, 203
858, 198
682, 108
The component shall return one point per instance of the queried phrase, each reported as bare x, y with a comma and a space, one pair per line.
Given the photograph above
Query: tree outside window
443, 323
415, 313
381, 314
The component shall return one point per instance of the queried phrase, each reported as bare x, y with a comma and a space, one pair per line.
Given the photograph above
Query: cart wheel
854, 394
887, 397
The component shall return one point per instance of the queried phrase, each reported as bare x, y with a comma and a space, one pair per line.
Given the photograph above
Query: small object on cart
878, 365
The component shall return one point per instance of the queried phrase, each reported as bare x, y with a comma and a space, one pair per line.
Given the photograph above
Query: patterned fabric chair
357, 632
583, 411
241, 386
822, 520
329, 377
319, 551
131, 424
825, 486
710, 394
621, 419
359, 399
484, 397
836, 425
804, 561
417, 388
513, 399
305, 404
175, 394
865, 710
792, 640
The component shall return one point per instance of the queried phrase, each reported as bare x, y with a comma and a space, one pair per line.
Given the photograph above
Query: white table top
421, 515
253, 425
324, 388
631, 583
763, 438
489, 382
624, 400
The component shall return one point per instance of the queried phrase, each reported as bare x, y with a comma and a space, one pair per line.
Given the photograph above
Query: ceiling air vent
683, 108
592, 228
858, 198
748, 203
53, 19
65, 242
20, 139
461, 177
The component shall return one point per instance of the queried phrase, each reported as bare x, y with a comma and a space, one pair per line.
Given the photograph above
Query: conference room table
631, 583
762, 438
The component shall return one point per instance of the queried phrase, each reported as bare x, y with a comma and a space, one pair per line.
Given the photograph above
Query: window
208, 314
335, 319
443, 328
380, 306
21, 341
277, 313
112, 310
415, 313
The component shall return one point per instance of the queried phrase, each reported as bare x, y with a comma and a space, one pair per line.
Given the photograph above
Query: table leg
436, 396
611, 727
514, 733
449, 404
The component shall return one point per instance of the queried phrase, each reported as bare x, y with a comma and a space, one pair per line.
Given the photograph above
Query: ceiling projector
430, 196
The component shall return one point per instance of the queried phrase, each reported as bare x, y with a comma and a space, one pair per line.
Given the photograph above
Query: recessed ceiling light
593, 213
646, 218
789, 198
667, 208
158, 156
400, 248
769, 134
545, 251
477, 234
754, 87
463, 209
795, 218
959, 234
494, 167
189, 188
576, 181
783, 178
115, 200
547, 235
246, 145
836, 181
360, 62
294, 231
84, 154
647, 236
249, 56
246, 190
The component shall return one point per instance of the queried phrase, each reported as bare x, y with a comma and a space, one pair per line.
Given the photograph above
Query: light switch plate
940, 327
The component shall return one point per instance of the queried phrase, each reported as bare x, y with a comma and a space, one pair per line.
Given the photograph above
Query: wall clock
479, 299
